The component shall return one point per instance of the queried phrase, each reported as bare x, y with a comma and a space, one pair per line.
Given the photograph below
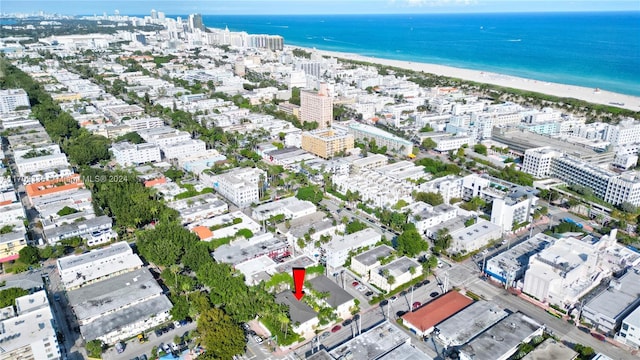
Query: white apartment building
424, 216
509, 266
370, 162
317, 106
39, 159
127, 154
144, 123
511, 210
364, 263
10, 99
630, 330
239, 186
96, 265
449, 187
608, 308
474, 237
119, 307
183, 149
163, 136
199, 207
449, 142
377, 189
626, 132
394, 144
336, 251
290, 208
29, 331
396, 273
98, 225
537, 162
566, 270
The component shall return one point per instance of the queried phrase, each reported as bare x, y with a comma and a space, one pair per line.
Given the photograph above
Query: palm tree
175, 269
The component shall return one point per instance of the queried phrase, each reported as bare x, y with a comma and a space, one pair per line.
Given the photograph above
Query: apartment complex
10, 99
336, 251
630, 329
395, 274
393, 143
127, 154
85, 269
239, 186
326, 143
29, 330
317, 107
119, 307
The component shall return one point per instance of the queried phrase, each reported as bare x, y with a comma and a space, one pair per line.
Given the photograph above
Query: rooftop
384, 341
437, 310
618, 297
113, 293
337, 295
551, 349
501, 338
378, 132
633, 318
29, 327
400, 266
480, 229
125, 316
72, 182
469, 322
518, 255
352, 240
299, 311
370, 257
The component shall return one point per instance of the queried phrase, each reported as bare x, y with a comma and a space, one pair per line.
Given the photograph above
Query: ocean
597, 50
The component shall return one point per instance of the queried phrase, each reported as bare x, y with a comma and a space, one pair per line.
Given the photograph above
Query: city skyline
313, 7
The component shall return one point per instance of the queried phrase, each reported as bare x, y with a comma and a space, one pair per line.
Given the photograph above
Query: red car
355, 283
416, 304
336, 328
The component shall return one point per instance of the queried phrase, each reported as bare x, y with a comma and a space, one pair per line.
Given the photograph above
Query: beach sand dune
596, 96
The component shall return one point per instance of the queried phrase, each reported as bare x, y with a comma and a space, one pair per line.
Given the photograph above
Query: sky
290, 7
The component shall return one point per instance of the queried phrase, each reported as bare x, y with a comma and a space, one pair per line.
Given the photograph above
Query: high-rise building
154, 14
195, 22
317, 107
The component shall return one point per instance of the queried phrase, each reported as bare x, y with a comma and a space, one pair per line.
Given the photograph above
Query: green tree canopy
8, 296
220, 335
29, 255
310, 193
430, 198
480, 149
410, 242
165, 244
429, 144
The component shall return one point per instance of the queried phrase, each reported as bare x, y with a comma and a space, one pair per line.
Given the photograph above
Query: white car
177, 324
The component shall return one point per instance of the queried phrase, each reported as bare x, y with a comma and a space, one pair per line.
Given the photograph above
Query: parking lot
134, 348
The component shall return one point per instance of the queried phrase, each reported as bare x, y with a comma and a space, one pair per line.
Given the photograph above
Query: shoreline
602, 97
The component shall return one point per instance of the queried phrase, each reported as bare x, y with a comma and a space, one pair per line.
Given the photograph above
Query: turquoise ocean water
585, 49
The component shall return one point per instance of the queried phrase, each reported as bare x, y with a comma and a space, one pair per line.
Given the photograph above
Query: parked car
158, 332
347, 322
434, 294
368, 293
393, 298
325, 335
416, 304
336, 328
400, 313
258, 339
355, 283
120, 347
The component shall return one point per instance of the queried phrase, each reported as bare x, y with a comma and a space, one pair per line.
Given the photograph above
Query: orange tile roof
154, 182
49, 187
203, 232
6, 202
438, 310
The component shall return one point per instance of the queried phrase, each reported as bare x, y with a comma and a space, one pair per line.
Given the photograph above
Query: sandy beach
561, 90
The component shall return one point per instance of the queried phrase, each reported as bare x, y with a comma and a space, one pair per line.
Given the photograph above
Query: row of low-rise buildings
111, 294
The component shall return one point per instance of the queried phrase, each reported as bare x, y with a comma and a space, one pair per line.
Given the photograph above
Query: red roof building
423, 320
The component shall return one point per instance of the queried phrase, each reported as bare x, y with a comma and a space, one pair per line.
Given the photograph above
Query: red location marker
298, 281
